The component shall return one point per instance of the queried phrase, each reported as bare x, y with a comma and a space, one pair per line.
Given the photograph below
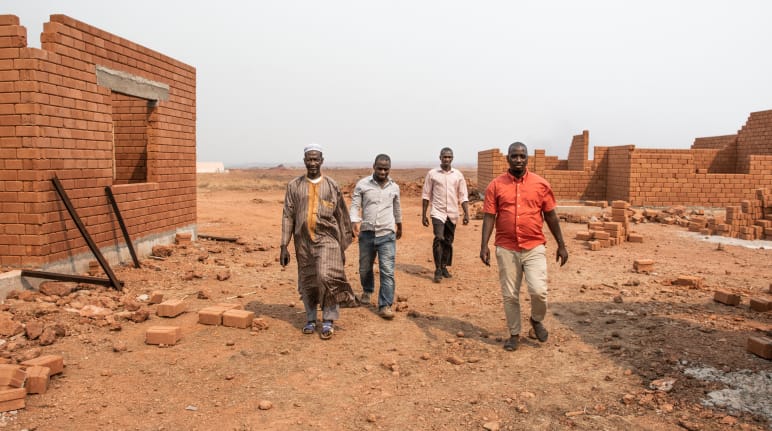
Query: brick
238, 318
7, 406
55, 363
37, 379
12, 375
643, 265
230, 306
94, 267
760, 346
761, 304
634, 237
600, 235
618, 214
594, 245
171, 308
619, 204
687, 280
156, 298
211, 315
8, 393
183, 238
583, 236
167, 335
726, 297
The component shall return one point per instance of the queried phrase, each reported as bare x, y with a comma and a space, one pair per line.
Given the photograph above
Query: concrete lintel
133, 85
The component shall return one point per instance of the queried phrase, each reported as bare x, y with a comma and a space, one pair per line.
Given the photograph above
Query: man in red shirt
518, 202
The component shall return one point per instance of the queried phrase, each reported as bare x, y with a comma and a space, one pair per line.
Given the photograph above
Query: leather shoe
445, 273
511, 344
437, 276
539, 330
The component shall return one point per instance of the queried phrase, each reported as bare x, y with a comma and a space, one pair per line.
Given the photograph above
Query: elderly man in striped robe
317, 217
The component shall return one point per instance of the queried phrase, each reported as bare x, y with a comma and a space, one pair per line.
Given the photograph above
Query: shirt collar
388, 182
518, 180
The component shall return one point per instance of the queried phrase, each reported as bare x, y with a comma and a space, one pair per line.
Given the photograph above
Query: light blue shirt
376, 207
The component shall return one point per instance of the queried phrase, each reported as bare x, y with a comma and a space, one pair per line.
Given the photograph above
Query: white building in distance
210, 168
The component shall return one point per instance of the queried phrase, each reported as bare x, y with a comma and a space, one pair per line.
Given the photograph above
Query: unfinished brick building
98, 112
716, 172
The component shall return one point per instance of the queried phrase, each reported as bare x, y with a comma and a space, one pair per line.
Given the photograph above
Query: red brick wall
578, 152
618, 172
717, 171
755, 138
714, 142
56, 120
490, 164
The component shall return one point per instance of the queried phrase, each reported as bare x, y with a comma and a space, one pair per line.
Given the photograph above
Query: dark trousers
442, 247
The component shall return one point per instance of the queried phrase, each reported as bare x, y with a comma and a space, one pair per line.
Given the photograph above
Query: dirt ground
439, 365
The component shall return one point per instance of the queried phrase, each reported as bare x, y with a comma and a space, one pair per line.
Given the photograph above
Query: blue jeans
386, 249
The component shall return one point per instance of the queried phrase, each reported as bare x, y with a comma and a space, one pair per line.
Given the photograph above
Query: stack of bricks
231, 315
12, 394
752, 219
29, 377
620, 213
606, 234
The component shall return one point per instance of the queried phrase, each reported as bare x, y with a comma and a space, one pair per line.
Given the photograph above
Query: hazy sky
409, 77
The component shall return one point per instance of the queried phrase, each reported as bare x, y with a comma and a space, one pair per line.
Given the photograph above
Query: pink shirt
445, 190
519, 205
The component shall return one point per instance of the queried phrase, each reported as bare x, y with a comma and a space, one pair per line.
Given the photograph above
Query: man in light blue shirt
376, 218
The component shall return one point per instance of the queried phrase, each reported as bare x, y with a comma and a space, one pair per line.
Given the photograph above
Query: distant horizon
345, 165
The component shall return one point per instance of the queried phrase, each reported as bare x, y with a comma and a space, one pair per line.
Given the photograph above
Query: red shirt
518, 205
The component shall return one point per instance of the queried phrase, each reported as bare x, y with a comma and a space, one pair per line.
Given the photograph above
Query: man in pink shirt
518, 202
444, 188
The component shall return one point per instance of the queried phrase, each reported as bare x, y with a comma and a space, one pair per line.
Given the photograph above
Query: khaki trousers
512, 266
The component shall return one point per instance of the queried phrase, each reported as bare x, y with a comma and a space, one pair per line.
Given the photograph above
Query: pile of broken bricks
604, 234
225, 314
28, 377
750, 220
759, 345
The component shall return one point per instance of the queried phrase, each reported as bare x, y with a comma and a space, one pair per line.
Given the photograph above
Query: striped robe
317, 217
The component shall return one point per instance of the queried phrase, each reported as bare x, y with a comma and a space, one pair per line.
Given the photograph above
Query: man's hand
355, 229
485, 256
466, 218
399, 230
284, 256
425, 220
561, 255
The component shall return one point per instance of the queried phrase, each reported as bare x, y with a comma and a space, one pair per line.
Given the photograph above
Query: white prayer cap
313, 146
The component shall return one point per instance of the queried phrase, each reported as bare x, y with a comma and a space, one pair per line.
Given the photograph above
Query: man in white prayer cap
317, 217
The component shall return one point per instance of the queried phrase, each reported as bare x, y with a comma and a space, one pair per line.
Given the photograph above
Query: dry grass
272, 179
238, 179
